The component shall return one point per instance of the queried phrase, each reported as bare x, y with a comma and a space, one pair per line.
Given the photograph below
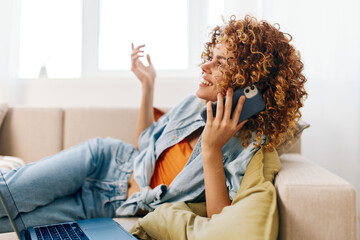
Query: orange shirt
170, 163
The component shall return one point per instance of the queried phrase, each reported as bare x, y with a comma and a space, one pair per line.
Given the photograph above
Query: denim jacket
188, 185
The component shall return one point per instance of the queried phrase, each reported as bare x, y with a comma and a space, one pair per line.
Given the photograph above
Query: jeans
89, 180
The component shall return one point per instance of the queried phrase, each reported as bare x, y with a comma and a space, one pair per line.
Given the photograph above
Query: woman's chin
200, 94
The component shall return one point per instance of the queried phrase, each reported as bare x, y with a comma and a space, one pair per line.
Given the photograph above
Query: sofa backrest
32, 133
81, 124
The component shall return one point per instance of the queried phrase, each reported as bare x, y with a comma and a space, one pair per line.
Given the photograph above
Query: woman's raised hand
146, 74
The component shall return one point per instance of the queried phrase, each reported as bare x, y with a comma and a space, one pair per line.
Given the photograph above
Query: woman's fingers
240, 125
138, 47
135, 57
148, 59
209, 112
238, 109
228, 103
136, 52
219, 107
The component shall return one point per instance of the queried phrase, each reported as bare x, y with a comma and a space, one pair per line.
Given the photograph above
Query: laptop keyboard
67, 231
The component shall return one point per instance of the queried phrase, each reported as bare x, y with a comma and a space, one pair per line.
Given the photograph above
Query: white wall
328, 35
114, 92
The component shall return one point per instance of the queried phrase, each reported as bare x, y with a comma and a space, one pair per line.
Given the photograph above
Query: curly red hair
265, 58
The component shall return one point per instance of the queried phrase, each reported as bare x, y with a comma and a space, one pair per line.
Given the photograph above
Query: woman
179, 157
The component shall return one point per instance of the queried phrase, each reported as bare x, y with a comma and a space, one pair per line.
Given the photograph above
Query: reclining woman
179, 157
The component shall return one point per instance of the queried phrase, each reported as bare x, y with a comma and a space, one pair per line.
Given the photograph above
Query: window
92, 38
50, 35
163, 30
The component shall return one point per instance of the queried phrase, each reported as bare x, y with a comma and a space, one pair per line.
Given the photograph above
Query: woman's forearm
146, 115
146, 75
217, 132
216, 192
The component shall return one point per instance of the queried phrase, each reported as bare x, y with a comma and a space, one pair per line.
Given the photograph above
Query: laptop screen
10, 206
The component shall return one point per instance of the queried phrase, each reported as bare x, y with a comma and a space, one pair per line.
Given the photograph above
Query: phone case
253, 104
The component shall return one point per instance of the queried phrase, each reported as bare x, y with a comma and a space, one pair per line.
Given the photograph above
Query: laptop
91, 229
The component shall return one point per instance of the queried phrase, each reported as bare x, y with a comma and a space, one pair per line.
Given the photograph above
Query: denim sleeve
236, 167
150, 133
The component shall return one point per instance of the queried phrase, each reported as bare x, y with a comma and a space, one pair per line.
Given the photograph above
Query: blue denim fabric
86, 181
91, 179
170, 129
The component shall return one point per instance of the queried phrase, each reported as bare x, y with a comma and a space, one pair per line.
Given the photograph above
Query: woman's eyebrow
219, 57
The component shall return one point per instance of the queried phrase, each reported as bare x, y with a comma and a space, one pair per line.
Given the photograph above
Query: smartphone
253, 104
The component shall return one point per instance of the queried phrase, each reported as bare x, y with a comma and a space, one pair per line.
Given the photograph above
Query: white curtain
10, 90
5, 17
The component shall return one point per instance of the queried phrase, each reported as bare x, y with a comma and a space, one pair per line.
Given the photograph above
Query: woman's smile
204, 82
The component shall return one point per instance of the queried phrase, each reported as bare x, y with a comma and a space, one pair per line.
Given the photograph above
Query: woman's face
211, 74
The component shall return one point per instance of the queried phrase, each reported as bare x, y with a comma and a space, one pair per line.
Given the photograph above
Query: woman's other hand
146, 74
216, 133
220, 129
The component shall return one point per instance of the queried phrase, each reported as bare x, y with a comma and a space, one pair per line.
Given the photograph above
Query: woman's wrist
210, 149
209, 154
147, 86
216, 192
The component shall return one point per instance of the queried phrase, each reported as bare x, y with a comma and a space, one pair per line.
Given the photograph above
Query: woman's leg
40, 183
61, 210
96, 172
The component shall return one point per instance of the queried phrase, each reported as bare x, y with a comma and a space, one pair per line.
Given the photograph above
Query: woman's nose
206, 67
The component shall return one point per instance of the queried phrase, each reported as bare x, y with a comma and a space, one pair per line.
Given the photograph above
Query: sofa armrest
313, 202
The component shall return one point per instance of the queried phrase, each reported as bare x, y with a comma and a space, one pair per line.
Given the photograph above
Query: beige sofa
313, 202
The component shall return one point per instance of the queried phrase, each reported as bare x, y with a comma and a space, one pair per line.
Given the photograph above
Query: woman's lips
205, 82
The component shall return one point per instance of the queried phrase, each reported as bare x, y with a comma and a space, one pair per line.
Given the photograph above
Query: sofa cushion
292, 145
31, 133
252, 215
3, 111
81, 124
